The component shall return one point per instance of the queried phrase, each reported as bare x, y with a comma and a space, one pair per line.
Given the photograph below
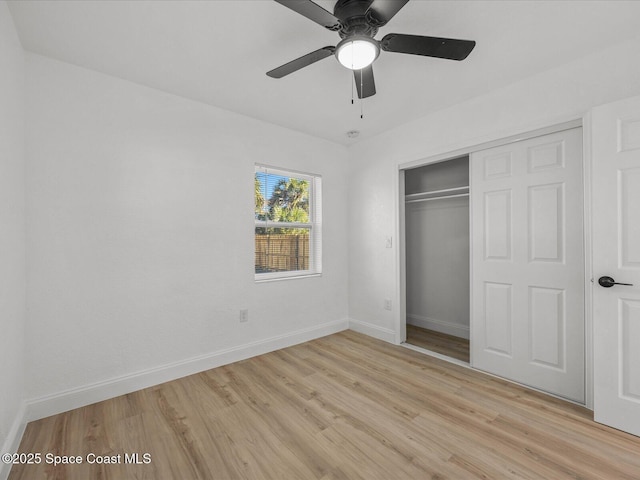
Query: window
288, 224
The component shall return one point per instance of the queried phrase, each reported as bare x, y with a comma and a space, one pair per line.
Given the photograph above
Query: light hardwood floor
342, 407
454, 347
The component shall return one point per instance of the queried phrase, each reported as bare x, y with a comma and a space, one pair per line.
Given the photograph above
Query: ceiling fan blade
381, 11
364, 82
449, 48
301, 62
313, 12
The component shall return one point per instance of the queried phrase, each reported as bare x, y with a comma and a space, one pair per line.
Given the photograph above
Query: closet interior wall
437, 246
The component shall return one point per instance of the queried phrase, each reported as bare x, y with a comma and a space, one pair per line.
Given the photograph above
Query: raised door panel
628, 134
629, 230
546, 223
497, 166
547, 343
498, 318
629, 328
497, 230
545, 156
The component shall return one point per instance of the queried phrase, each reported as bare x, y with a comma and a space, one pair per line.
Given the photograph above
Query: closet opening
437, 258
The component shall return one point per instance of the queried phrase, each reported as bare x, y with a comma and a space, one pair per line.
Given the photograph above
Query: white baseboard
441, 326
12, 442
45, 406
372, 330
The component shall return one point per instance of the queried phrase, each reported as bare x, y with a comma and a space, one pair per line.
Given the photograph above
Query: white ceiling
217, 52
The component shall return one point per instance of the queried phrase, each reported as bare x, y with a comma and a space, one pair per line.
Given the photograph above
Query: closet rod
437, 192
437, 198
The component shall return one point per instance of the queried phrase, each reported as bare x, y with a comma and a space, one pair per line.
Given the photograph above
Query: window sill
290, 277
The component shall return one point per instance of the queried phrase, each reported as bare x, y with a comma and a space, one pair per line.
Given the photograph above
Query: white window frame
314, 225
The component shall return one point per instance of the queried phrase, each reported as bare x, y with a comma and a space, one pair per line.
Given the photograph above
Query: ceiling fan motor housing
355, 19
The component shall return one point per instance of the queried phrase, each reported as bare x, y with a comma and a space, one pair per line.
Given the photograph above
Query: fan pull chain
351, 82
362, 99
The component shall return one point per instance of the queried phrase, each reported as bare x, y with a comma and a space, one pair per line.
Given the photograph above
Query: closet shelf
438, 194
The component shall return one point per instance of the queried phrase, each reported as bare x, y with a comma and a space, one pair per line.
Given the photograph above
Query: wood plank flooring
342, 407
454, 347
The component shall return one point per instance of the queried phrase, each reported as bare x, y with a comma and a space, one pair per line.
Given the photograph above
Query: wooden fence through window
281, 252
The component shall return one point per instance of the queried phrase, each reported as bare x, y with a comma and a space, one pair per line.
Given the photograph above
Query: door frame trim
401, 297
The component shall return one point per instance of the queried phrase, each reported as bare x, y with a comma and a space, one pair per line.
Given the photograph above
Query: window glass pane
261, 182
281, 249
281, 198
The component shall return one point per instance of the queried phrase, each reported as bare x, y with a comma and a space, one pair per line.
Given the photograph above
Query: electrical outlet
387, 304
244, 315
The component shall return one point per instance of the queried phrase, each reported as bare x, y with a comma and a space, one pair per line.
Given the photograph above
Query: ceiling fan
357, 22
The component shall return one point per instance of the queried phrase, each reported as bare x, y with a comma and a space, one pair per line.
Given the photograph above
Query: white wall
555, 96
12, 226
140, 236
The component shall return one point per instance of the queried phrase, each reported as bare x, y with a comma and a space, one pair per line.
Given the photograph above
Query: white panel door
616, 254
528, 263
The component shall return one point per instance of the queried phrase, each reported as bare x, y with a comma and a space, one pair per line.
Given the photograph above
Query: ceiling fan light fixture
357, 52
